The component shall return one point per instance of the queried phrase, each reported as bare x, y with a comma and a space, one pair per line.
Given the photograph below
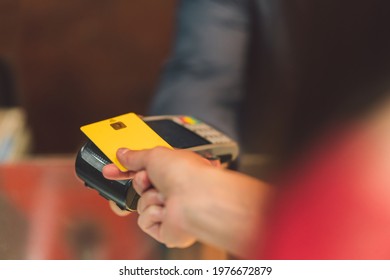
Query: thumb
131, 160
139, 160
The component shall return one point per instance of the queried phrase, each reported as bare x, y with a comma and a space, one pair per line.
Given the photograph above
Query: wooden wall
79, 61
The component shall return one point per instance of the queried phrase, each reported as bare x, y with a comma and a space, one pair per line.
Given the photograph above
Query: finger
151, 197
215, 162
137, 160
150, 221
112, 172
141, 182
117, 210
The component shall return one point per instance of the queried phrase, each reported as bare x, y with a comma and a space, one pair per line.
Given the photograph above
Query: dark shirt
274, 73
204, 75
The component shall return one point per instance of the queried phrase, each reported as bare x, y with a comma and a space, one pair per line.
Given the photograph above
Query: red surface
335, 203
67, 220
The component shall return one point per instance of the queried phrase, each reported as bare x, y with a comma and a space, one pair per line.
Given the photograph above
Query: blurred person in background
305, 83
204, 76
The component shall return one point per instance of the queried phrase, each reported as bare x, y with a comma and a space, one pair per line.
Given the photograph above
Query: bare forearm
221, 217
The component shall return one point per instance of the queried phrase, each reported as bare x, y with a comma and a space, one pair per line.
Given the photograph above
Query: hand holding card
125, 131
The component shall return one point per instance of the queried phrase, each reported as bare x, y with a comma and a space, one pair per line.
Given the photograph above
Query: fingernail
161, 197
122, 151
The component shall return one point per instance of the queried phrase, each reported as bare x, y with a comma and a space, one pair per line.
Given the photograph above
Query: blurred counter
47, 213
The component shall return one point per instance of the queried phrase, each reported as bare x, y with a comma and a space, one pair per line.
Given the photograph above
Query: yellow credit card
125, 131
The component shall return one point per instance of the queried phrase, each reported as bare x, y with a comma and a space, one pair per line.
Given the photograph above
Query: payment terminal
180, 132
